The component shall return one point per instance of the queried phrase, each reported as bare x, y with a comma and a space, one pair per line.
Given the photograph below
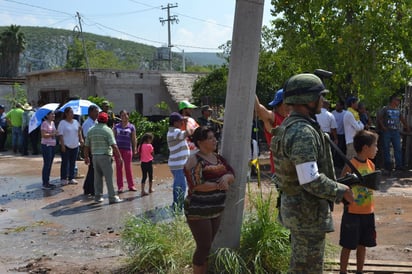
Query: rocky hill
47, 48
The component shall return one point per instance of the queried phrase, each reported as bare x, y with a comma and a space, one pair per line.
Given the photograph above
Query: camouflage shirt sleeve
304, 144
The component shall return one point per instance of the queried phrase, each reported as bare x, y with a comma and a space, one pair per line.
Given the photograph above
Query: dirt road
63, 231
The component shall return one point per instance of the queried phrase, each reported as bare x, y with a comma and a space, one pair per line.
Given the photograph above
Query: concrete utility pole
238, 117
170, 19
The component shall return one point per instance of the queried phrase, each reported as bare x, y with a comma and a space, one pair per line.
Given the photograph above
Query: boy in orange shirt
358, 220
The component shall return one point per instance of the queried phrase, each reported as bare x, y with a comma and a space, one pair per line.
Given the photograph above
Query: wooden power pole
238, 116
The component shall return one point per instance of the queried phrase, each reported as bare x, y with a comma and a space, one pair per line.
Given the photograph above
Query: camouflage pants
307, 252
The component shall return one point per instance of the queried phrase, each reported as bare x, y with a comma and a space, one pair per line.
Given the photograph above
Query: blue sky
203, 24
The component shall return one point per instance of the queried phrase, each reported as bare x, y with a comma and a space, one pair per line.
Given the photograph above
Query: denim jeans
69, 158
48, 156
17, 138
394, 137
179, 188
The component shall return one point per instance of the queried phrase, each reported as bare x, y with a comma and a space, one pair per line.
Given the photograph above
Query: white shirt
339, 121
88, 124
351, 126
326, 120
70, 133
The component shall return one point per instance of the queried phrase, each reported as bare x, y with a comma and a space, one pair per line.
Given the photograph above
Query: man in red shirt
272, 118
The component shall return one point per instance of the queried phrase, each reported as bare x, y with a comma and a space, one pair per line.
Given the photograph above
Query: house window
138, 102
54, 96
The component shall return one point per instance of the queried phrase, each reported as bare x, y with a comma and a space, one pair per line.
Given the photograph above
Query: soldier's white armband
307, 172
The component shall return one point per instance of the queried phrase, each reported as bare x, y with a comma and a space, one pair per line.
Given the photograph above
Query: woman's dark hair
147, 136
66, 111
123, 111
200, 134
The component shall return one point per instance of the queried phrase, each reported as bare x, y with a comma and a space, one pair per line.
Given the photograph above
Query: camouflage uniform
305, 208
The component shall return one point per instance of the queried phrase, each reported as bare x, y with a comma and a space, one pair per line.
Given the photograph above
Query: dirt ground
63, 231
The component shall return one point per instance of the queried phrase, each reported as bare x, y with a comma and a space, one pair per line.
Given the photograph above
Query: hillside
204, 58
47, 48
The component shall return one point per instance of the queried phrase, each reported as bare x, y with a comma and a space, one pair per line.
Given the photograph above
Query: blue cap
1, 106
278, 98
351, 100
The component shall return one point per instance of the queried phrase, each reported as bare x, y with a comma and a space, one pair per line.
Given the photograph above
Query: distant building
131, 90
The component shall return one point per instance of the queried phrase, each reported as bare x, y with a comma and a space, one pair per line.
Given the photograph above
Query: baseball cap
174, 117
103, 117
206, 107
2, 107
105, 103
186, 104
277, 99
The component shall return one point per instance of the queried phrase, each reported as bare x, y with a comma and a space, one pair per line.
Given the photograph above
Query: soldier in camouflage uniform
305, 174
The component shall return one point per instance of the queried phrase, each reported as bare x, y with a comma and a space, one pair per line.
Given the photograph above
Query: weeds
164, 247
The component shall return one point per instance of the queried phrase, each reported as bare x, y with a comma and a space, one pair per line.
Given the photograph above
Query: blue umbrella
40, 113
80, 106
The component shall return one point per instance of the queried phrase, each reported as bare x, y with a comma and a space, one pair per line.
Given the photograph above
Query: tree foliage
365, 43
98, 58
12, 43
212, 86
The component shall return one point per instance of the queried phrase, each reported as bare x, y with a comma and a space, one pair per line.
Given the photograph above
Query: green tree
12, 43
365, 43
98, 58
211, 86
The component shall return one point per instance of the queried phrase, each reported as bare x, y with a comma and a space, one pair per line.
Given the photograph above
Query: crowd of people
308, 146
304, 135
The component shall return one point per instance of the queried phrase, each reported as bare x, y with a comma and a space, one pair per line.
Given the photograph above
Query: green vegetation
167, 247
49, 48
366, 44
19, 95
12, 43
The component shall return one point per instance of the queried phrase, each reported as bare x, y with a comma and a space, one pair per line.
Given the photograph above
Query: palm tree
12, 43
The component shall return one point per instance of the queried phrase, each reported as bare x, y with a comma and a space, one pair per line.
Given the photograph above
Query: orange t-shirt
364, 203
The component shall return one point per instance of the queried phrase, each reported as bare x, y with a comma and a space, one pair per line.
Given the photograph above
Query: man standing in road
91, 121
15, 119
338, 113
101, 144
327, 121
305, 174
389, 120
351, 124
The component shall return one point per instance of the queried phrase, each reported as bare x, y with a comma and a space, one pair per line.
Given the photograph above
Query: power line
38, 7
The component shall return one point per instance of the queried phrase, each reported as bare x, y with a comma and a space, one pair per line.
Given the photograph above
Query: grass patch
166, 245
162, 247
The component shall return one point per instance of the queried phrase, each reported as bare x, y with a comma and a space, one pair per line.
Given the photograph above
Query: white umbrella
40, 113
80, 106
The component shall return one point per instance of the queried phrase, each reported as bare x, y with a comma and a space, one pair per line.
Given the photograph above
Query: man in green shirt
100, 142
15, 119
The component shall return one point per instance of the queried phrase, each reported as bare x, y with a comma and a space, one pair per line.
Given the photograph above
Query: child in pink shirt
145, 151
